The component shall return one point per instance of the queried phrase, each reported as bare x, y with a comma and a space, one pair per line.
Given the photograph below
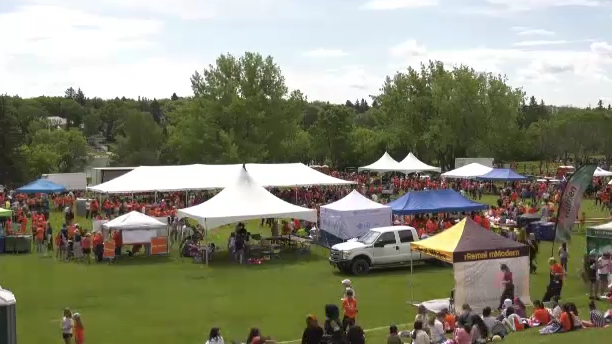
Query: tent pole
206, 242
411, 282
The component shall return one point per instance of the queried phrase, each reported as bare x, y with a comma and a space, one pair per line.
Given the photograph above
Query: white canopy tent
385, 164
205, 177
600, 172
353, 216
244, 200
137, 228
468, 171
412, 164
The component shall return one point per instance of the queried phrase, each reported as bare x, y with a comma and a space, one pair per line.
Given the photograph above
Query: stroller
70, 249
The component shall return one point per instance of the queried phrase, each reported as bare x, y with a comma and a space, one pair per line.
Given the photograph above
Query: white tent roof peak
354, 201
134, 220
385, 164
468, 171
600, 172
243, 200
412, 164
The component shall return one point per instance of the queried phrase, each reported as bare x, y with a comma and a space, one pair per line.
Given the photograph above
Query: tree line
241, 110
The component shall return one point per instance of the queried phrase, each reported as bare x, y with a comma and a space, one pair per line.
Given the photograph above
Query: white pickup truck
379, 248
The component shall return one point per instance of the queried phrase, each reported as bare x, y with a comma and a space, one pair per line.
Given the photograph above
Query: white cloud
381, 5
185, 9
506, 8
539, 43
322, 52
593, 63
526, 31
408, 48
336, 85
47, 49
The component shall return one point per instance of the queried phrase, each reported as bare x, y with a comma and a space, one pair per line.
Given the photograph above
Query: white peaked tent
600, 172
385, 164
353, 216
468, 171
412, 164
244, 200
137, 228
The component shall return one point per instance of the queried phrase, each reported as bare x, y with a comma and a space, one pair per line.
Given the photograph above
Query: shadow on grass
403, 270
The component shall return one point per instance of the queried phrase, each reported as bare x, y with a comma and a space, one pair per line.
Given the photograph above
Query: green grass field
172, 300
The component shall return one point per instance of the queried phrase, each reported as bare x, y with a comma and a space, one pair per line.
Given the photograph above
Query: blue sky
559, 50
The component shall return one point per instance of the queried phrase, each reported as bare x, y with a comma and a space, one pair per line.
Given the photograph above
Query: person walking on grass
563, 256
67, 326
349, 306
79, 329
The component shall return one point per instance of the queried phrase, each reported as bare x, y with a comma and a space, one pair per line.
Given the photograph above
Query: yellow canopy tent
471, 249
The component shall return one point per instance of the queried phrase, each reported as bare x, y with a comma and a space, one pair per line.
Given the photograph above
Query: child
79, 330
347, 285
393, 337
349, 306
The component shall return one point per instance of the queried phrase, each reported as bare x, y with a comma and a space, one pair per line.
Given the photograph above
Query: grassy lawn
172, 300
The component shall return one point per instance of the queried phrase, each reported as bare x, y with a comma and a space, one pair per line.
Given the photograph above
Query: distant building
56, 121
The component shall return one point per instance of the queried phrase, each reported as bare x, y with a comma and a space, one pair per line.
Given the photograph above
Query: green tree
139, 142
11, 137
332, 134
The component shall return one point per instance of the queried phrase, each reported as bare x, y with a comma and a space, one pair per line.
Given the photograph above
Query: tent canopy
354, 201
71, 181
353, 216
134, 220
468, 171
412, 164
385, 164
244, 200
433, 201
41, 186
5, 212
600, 172
467, 241
206, 177
502, 174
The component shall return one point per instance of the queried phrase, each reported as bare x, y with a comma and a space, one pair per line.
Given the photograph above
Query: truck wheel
360, 266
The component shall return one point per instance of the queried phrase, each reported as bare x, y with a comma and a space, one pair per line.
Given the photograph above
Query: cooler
8, 317
23, 244
543, 231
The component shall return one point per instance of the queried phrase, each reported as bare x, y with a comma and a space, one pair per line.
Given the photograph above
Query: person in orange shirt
540, 314
98, 245
40, 238
79, 329
556, 271
486, 223
566, 319
349, 306
86, 244
449, 321
118, 239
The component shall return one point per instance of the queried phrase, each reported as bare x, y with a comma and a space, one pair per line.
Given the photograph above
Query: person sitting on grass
419, 336
214, 336
393, 337
423, 317
436, 329
356, 335
513, 322
313, 333
540, 315
449, 321
596, 317
480, 332
333, 325
577, 323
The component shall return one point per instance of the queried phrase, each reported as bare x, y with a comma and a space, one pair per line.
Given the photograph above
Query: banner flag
571, 198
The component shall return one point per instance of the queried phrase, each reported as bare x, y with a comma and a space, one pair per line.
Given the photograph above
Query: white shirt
556, 312
66, 325
489, 321
216, 340
186, 231
603, 266
437, 332
87, 205
421, 338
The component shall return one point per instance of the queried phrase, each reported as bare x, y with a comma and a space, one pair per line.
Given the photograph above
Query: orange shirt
97, 239
79, 335
86, 243
449, 322
349, 305
40, 233
478, 219
557, 269
486, 223
566, 322
541, 315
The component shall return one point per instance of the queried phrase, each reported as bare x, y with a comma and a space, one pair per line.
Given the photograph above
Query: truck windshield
369, 237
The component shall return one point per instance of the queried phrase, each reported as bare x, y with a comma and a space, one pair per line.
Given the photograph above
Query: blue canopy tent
433, 201
502, 174
41, 186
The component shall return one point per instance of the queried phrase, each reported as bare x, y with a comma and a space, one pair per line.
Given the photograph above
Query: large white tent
204, 177
385, 164
468, 171
244, 200
353, 216
412, 164
137, 228
600, 172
